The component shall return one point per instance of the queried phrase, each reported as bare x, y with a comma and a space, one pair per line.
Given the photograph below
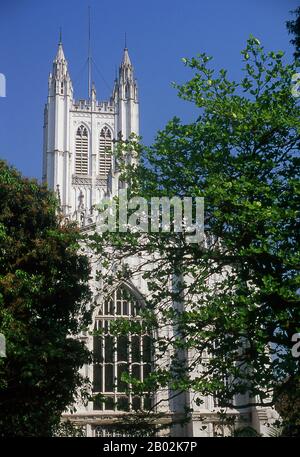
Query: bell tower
78, 161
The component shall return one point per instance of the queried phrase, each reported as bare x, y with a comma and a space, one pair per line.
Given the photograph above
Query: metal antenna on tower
89, 58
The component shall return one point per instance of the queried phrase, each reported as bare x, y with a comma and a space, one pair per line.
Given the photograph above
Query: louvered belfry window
105, 149
81, 151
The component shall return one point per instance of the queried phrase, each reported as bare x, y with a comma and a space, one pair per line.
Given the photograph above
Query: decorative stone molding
81, 180
101, 182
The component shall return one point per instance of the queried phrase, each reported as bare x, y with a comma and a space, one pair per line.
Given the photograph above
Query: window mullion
115, 371
103, 359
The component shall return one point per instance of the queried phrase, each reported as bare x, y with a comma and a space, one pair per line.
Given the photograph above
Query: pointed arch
105, 151
116, 355
81, 150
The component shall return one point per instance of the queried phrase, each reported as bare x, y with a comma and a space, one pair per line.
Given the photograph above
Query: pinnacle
126, 58
60, 53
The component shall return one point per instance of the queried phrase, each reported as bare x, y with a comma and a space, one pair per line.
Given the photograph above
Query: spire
126, 68
60, 65
60, 56
125, 96
127, 87
60, 72
126, 59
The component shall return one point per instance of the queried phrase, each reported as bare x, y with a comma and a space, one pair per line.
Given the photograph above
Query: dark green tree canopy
43, 297
294, 29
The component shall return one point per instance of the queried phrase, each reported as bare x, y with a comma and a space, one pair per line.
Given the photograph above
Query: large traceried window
115, 355
81, 151
105, 150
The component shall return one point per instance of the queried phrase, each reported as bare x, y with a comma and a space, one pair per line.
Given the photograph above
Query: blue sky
159, 34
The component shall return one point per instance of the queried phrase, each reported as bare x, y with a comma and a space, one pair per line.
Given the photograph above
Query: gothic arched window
115, 355
81, 151
105, 149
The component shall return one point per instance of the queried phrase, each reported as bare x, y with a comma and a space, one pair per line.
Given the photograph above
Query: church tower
78, 160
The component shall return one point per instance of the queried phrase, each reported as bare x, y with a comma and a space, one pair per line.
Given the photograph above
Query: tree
236, 294
294, 29
43, 297
288, 405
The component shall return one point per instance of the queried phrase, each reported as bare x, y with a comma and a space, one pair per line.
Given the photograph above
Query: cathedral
80, 167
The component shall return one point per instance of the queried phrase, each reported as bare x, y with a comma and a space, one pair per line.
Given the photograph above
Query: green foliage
67, 429
43, 297
139, 424
294, 29
236, 296
288, 406
245, 432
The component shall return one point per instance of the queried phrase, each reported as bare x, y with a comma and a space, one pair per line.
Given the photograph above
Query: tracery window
105, 149
115, 355
81, 151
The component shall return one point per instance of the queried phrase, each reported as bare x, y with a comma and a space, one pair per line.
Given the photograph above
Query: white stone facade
77, 137
80, 191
